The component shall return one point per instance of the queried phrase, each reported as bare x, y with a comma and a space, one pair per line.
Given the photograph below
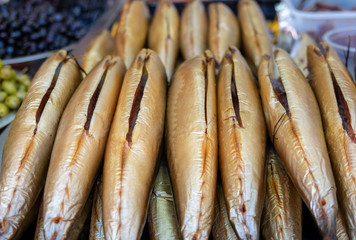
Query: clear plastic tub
339, 38
304, 21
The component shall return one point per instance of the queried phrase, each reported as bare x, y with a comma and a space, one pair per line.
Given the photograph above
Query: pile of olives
13, 89
33, 26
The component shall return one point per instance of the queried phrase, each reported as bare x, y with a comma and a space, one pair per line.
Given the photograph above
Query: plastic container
339, 38
304, 21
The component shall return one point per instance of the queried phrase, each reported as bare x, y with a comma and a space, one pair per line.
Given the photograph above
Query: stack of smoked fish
191, 122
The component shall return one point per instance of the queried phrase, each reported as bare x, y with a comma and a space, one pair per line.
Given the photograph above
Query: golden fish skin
96, 222
224, 30
162, 216
101, 46
164, 35
133, 147
79, 147
301, 58
191, 138
78, 226
28, 147
336, 93
282, 214
132, 30
341, 232
295, 127
241, 130
254, 32
193, 29
222, 228
29, 219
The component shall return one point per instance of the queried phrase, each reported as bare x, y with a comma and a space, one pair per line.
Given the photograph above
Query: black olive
26, 29
15, 25
15, 34
42, 33
41, 45
42, 21
58, 17
9, 50
3, 35
10, 41
34, 36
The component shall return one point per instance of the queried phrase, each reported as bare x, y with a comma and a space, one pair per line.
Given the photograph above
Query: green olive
13, 80
6, 73
26, 82
20, 94
4, 110
22, 78
3, 95
9, 87
0, 64
12, 102
13, 74
22, 87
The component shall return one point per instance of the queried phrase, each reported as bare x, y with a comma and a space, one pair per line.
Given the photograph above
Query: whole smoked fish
79, 147
282, 214
162, 215
191, 140
193, 29
29, 144
224, 30
242, 144
132, 30
164, 35
336, 93
295, 128
133, 146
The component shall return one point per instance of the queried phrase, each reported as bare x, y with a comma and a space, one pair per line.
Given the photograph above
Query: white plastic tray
304, 21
